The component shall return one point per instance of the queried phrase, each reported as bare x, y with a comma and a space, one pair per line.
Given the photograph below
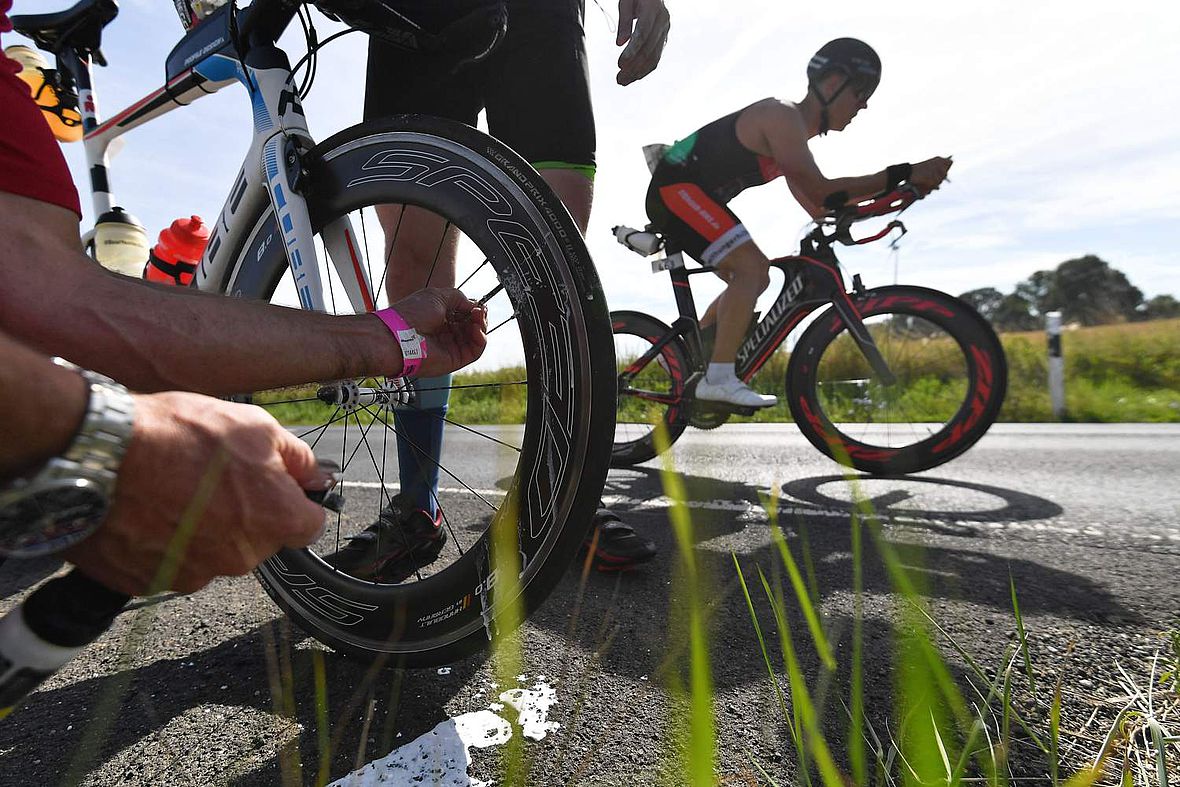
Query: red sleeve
31, 163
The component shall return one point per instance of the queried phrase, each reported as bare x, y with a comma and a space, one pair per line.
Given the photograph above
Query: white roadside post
1056, 364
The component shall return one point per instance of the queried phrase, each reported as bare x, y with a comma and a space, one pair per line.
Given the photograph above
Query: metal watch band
42, 513
98, 448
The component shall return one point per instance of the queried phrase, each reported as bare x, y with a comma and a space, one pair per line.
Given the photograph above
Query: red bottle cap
184, 239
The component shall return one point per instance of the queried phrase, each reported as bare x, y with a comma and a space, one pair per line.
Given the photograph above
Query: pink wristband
412, 344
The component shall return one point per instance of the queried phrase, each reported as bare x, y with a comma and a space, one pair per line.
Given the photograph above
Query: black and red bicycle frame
810, 280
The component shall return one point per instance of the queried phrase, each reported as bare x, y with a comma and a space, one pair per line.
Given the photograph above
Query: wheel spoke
461, 482
501, 325
478, 268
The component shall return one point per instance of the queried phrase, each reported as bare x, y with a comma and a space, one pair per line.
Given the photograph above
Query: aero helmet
849, 56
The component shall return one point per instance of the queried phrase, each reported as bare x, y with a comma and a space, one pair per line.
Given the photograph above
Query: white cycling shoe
733, 391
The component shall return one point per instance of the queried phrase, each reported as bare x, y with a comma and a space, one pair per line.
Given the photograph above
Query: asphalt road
215, 689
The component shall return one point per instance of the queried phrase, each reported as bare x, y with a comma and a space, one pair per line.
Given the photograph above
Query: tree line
1086, 290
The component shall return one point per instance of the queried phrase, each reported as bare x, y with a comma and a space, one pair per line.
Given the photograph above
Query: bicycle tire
951, 370
665, 376
556, 300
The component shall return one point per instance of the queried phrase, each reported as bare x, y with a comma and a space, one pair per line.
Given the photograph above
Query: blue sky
1060, 117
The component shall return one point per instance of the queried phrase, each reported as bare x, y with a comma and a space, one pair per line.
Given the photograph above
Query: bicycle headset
849, 56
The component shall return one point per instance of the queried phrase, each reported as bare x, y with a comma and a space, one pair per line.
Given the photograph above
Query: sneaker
616, 545
733, 391
401, 541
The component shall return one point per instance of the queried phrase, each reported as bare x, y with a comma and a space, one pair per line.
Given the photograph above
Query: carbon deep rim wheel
952, 376
651, 397
549, 470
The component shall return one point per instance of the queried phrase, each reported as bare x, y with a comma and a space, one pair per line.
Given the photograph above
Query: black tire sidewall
286, 575
643, 325
965, 325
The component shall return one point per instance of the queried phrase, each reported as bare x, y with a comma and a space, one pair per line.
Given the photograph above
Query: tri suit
693, 184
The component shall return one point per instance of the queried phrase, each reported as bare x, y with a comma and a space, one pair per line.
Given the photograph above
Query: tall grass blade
702, 744
778, 692
323, 729
1032, 683
801, 699
856, 724
1055, 733
822, 648
507, 615
1161, 752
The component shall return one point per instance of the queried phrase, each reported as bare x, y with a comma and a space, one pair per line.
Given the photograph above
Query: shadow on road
262, 684
634, 609
617, 625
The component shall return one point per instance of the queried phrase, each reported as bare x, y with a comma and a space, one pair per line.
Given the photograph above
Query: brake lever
895, 224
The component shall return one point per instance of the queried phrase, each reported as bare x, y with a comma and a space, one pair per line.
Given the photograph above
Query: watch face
50, 516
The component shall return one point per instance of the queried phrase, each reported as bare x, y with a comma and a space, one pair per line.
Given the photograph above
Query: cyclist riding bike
698, 176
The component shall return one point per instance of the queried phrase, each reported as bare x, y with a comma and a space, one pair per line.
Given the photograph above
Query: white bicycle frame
269, 173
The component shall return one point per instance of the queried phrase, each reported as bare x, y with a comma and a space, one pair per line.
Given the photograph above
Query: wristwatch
68, 498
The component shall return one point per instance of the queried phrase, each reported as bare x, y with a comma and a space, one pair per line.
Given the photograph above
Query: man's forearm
42, 405
154, 338
151, 337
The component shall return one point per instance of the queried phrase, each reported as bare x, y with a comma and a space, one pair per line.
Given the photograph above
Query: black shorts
690, 218
534, 86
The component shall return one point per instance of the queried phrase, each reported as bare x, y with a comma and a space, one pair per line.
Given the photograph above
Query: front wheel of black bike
951, 379
651, 393
525, 441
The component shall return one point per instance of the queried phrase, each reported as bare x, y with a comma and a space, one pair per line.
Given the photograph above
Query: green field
1113, 373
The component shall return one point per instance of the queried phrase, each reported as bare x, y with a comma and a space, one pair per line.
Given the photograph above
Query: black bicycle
889, 380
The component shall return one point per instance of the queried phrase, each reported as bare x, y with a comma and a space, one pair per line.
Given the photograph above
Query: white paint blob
442, 756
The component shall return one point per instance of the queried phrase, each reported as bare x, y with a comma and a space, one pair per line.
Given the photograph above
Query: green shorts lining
585, 169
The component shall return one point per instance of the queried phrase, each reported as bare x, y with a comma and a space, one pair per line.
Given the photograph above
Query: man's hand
163, 533
454, 327
645, 24
928, 175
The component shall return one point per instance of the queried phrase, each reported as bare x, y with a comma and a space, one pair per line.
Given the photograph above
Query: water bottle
60, 110
644, 242
120, 242
178, 251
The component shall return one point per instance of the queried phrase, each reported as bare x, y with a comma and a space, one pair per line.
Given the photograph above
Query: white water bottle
645, 243
120, 243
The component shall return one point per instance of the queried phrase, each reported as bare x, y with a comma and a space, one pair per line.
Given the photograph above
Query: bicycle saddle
78, 28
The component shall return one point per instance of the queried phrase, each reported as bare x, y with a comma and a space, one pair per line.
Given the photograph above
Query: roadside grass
942, 731
1113, 373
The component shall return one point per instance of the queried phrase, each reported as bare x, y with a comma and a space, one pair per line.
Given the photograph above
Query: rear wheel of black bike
951, 379
650, 394
525, 450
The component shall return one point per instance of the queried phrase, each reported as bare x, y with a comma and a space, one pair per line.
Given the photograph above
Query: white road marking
442, 756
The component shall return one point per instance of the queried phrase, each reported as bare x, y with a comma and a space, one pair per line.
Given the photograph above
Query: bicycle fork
864, 340
280, 124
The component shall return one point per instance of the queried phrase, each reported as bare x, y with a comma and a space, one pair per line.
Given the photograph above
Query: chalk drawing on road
442, 756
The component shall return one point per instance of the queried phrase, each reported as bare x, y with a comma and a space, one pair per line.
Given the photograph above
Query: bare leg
420, 248
575, 190
746, 271
418, 253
